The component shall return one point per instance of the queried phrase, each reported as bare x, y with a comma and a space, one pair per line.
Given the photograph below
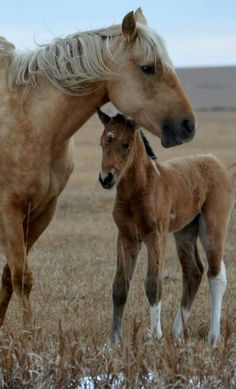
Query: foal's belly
179, 220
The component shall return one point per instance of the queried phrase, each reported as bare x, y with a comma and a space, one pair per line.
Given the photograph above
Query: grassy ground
73, 265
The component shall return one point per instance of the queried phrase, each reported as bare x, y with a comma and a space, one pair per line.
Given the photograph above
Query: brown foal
191, 197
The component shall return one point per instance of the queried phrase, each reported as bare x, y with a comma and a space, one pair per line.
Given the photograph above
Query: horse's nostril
188, 125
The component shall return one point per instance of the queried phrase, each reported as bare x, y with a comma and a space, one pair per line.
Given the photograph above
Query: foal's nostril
108, 179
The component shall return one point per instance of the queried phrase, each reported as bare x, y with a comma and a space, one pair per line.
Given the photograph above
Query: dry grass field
73, 265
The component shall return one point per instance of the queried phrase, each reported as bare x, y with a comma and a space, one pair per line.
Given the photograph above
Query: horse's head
146, 87
116, 142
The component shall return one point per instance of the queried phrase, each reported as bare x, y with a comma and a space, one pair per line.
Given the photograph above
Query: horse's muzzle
175, 134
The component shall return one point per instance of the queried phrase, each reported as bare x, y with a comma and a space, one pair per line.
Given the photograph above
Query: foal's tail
232, 165
6, 49
232, 169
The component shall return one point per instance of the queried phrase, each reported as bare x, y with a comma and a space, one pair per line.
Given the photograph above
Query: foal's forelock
74, 63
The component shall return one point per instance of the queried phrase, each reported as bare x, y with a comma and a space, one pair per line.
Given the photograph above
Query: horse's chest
40, 184
49, 187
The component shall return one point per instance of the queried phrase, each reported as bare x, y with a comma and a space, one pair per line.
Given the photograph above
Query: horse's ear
105, 119
139, 16
128, 27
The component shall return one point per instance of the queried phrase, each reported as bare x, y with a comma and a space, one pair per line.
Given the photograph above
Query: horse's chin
171, 142
169, 138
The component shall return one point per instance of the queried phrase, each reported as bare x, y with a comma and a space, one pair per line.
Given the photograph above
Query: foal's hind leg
213, 226
127, 252
156, 245
192, 268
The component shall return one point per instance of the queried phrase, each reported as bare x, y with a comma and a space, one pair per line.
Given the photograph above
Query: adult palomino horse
189, 197
45, 96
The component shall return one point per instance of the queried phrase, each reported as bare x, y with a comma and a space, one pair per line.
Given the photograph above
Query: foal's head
116, 142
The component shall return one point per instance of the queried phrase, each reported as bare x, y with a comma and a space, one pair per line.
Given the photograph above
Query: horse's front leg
127, 252
156, 249
16, 276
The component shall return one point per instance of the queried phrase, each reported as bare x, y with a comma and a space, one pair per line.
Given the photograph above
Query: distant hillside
212, 88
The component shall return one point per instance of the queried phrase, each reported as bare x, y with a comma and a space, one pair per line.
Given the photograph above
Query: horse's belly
45, 195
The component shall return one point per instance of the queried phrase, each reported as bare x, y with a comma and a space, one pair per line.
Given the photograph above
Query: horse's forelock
152, 46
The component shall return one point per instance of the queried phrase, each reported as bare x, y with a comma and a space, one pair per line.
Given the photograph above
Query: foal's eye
125, 146
148, 69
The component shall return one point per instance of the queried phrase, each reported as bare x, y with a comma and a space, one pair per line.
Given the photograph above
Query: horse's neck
59, 116
135, 176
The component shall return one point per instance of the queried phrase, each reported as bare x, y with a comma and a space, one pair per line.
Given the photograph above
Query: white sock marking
178, 326
155, 313
217, 288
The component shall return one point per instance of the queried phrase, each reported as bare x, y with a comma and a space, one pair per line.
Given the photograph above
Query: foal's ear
139, 16
128, 27
105, 119
132, 124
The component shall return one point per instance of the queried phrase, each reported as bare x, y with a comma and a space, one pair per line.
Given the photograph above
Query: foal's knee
119, 291
153, 290
197, 274
6, 279
22, 282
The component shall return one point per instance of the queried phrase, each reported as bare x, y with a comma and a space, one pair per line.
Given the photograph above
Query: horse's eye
125, 146
148, 69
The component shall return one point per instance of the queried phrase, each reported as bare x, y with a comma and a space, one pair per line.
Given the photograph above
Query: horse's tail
6, 49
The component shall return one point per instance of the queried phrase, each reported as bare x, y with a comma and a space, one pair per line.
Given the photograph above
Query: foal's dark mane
148, 147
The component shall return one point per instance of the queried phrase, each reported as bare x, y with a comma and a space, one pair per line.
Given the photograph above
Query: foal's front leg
127, 252
156, 245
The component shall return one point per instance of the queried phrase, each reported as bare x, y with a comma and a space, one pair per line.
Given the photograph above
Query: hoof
178, 331
115, 340
107, 349
214, 339
154, 336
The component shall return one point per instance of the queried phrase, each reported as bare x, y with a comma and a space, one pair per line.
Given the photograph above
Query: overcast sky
197, 32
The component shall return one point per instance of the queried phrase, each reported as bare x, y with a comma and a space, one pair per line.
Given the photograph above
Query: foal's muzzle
107, 179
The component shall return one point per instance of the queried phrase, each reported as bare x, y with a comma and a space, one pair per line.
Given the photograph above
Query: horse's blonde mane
6, 49
72, 64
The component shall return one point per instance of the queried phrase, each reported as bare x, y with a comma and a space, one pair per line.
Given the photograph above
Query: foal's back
191, 184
